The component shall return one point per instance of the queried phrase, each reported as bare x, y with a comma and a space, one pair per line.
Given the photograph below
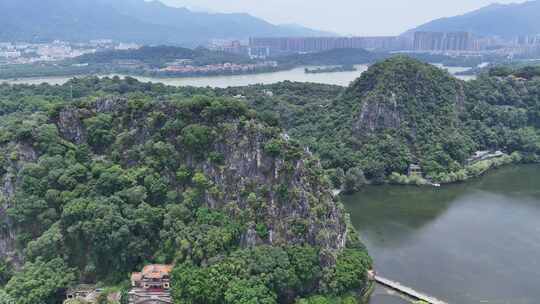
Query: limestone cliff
216, 152
13, 156
244, 165
403, 94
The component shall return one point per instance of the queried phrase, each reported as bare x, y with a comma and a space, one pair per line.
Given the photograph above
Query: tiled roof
156, 271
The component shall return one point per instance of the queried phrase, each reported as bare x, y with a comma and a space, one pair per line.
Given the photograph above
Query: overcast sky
349, 17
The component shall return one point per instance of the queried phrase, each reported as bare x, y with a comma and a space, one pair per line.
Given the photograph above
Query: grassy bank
470, 171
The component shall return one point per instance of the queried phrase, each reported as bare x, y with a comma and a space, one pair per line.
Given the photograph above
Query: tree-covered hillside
403, 112
332, 57
127, 174
158, 56
145, 61
101, 176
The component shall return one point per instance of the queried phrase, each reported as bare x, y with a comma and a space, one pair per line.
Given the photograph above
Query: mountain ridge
98, 187
504, 20
129, 20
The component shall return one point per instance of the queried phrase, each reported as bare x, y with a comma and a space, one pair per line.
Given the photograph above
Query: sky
346, 17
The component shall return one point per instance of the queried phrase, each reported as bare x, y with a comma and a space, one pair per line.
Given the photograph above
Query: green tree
6, 272
5, 298
354, 180
40, 282
249, 292
100, 131
197, 138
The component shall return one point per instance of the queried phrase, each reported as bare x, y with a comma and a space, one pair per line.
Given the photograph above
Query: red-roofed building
152, 277
151, 285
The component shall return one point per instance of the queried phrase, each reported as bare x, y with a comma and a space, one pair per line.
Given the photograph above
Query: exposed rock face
70, 126
378, 113
18, 155
69, 121
403, 94
310, 215
246, 164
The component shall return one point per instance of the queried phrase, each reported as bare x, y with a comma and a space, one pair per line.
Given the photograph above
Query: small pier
416, 295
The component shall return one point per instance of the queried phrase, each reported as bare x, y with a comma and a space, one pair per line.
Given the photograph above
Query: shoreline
420, 223
32, 79
469, 172
135, 75
294, 74
493, 166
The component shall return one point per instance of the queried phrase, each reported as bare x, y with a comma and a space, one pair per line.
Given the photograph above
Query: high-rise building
439, 41
531, 40
284, 45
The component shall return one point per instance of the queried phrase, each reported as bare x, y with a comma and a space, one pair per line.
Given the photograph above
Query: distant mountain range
131, 21
502, 20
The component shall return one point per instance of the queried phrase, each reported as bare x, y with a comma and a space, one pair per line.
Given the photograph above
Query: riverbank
331, 69
471, 171
365, 294
294, 75
459, 243
8, 73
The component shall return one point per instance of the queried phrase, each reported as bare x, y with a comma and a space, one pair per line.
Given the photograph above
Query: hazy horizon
347, 17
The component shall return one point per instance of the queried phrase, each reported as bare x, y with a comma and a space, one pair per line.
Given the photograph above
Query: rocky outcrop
70, 126
15, 156
246, 164
406, 95
309, 215
378, 113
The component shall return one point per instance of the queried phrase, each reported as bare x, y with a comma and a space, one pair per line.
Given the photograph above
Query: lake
297, 74
477, 242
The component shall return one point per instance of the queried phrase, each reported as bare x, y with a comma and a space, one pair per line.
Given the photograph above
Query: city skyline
348, 17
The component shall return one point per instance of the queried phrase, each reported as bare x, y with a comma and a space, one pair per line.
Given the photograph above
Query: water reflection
477, 242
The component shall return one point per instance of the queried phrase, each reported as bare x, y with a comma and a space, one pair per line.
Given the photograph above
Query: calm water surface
477, 242
297, 74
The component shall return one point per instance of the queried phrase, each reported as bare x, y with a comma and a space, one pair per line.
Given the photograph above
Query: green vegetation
404, 112
125, 174
332, 69
40, 282
402, 179
459, 60
108, 175
158, 56
524, 70
521, 68
332, 57
146, 61
150, 60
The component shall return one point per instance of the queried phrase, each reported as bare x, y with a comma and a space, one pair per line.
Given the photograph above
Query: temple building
414, 170
151, 285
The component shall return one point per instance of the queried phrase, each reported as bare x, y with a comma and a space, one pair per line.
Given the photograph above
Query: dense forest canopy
124, 174
158, 56
403, 112
103, 176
